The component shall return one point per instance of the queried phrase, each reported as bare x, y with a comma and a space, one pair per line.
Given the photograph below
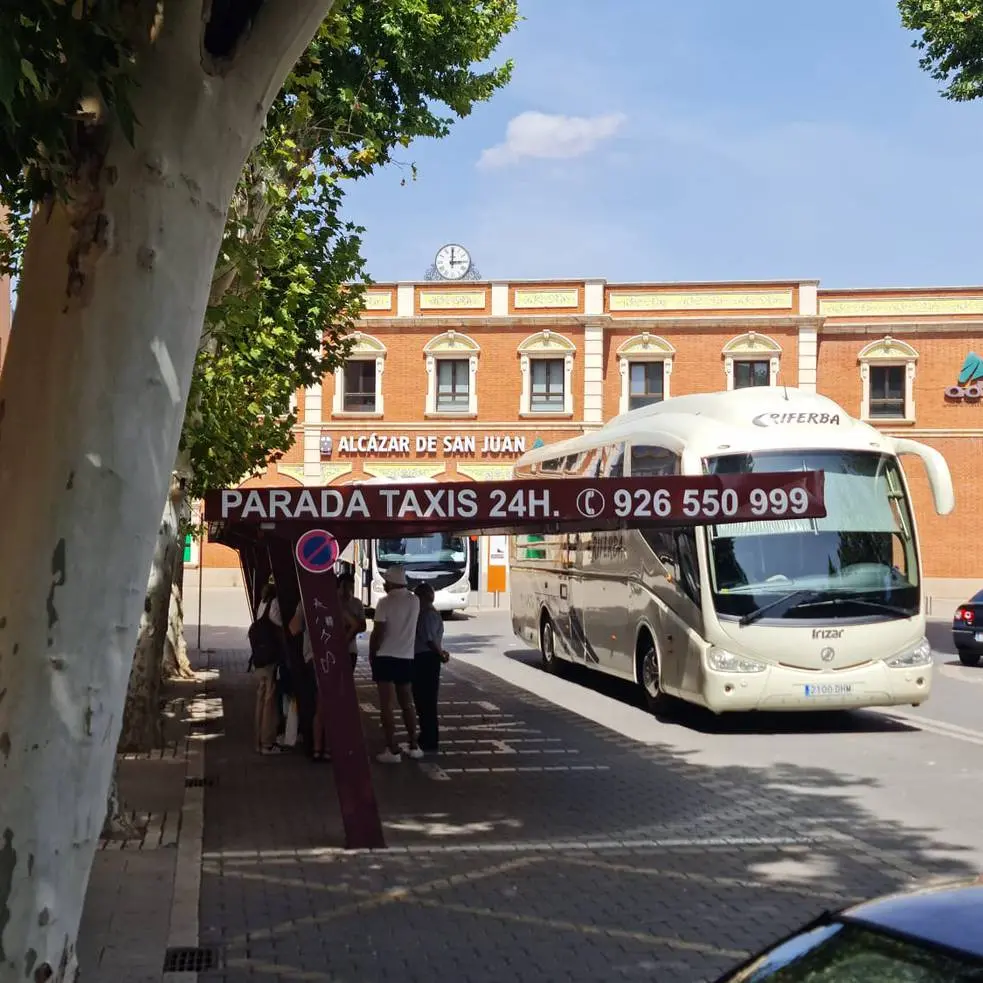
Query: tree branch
280, 34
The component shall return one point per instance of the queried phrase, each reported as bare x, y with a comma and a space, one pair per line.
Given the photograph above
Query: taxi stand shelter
296, 535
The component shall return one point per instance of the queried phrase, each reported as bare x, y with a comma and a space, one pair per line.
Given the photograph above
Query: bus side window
653, 462
614, 466
591, 464
689, 570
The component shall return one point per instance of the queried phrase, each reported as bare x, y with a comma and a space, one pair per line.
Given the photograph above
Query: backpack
264, 641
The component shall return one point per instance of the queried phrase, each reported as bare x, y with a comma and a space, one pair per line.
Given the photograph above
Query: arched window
358, 383
546, 363
751, 359
645, 364
887, 376
452, 367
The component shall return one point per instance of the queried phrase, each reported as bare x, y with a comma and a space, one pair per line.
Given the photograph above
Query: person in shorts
391, 649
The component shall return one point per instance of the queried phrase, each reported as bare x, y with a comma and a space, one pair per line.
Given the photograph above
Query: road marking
230, 858
965, 674
509, 737
526, 768
933, 726
366, 899
682, 875
607, 931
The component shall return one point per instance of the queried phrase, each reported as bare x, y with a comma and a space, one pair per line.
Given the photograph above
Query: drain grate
199, 782
189, 960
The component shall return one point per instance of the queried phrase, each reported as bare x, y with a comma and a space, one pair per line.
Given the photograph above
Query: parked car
927, 936
967, 630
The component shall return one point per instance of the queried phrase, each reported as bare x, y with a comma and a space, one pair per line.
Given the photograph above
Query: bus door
609, 632
581, 610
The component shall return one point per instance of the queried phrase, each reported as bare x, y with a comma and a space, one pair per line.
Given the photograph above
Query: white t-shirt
274, 607
398, 611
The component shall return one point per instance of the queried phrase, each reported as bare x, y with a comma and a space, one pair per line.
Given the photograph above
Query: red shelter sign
672, 501
296, 534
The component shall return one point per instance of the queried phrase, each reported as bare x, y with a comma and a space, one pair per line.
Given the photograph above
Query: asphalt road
565, 833
922, 767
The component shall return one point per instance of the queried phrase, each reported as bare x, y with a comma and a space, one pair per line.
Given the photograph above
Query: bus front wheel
650, 676
547, 644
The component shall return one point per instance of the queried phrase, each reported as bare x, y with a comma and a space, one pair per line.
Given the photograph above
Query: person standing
391, 650
266, 654
429, 656
309, 704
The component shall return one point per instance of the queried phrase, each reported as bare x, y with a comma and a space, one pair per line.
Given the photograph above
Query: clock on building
453, 262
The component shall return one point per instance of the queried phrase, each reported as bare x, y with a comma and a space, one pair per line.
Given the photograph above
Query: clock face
452, 261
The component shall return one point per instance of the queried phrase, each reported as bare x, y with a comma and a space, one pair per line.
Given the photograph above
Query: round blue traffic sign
317, 551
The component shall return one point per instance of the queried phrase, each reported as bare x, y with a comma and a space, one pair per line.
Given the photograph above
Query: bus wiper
785, 603
861, 602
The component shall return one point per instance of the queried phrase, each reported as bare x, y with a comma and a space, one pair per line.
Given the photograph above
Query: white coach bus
794, 614
440, 559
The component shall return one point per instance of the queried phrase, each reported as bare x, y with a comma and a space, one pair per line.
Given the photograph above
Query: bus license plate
828, 689
979, 636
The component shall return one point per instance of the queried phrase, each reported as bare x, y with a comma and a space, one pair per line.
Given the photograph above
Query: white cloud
548, 136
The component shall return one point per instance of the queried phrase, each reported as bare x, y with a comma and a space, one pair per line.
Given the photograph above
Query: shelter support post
255, 564
338, 706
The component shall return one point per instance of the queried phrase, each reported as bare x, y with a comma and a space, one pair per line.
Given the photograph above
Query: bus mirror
939, 478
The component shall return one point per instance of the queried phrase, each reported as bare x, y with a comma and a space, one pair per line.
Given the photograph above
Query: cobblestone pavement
537, 846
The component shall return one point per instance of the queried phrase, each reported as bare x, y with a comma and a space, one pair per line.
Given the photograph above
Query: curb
183, 930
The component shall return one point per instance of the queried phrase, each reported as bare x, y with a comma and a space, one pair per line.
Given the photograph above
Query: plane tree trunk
115, 279
176, 664
141, 713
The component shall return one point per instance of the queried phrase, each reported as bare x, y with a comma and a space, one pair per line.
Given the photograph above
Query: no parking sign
317, 551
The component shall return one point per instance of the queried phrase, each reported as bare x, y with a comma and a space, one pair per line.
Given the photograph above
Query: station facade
453, 381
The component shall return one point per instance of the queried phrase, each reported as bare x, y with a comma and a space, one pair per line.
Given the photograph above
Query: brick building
455, 380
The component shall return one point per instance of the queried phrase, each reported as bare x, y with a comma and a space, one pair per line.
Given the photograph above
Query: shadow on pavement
538, 846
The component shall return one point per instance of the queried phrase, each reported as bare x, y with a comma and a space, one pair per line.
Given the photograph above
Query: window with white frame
358, 382
546, 363
360, 388
751, 372
751, 359
887, 375
452, 366
645, 364
548, 393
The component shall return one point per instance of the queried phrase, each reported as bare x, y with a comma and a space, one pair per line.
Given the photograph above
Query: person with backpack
267, 650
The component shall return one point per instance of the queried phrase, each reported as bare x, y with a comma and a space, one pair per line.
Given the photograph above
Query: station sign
452, 445
675, 500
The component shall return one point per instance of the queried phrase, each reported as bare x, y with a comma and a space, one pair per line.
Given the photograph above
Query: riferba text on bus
676, 500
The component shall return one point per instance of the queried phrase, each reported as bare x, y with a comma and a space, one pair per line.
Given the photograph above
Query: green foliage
951, 43
371, 82
64, 80
378, 75
64, 67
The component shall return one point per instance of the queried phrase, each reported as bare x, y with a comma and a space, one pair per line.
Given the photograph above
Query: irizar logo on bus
773, 419
827, 633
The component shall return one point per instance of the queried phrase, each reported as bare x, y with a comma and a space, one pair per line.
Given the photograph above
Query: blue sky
698, 140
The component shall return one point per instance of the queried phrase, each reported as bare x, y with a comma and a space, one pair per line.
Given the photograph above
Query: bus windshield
437, 551
858, 562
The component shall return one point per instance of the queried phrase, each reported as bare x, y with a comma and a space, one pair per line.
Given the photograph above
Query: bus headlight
724, 661
920, 655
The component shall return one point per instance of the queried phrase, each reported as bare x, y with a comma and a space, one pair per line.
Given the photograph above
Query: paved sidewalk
126, 922
537, 846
